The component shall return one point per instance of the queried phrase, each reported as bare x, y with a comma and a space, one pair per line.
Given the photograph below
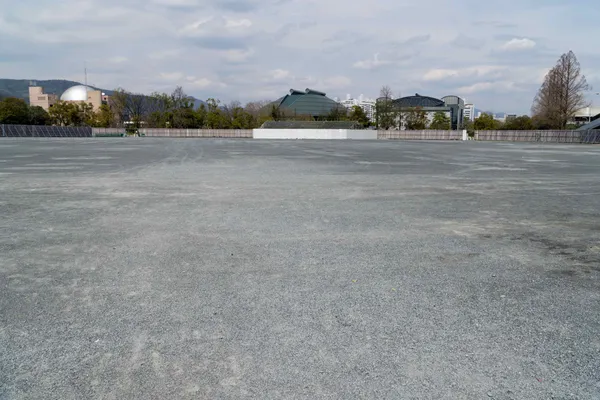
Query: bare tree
130, 107
231, 108
562, 93
255, 108
385, 114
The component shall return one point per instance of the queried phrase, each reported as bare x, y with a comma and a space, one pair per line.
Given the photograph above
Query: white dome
76, 93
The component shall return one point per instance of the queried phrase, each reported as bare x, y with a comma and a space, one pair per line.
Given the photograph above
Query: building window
42, 98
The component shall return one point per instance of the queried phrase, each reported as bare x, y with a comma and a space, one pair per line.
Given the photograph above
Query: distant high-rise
367, 105
469, 112
37, 97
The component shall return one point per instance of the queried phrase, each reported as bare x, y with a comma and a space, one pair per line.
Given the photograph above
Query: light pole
590, 108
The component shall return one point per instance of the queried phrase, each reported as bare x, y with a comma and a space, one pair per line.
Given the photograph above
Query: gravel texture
213, 269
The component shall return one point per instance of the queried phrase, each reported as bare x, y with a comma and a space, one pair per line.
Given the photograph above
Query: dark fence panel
588, 137
44, 131
420, 135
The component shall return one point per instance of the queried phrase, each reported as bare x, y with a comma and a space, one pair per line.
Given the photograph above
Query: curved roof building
76, 93
453, 106
418, 101
308, 102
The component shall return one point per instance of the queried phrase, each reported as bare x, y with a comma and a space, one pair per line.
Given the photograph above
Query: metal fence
588, 137
420, 135
44, 131
108, 132
571, 136
198, 133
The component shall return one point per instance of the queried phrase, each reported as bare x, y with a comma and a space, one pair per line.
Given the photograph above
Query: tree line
559, 98
163, 110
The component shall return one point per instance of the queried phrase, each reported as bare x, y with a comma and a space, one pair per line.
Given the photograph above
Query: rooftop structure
306, 103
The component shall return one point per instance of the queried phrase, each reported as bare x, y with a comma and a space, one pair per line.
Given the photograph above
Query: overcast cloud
494, 53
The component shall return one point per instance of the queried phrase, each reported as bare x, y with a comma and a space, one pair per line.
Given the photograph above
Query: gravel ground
214, 269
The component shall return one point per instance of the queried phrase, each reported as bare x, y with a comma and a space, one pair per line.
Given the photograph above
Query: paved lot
213, 269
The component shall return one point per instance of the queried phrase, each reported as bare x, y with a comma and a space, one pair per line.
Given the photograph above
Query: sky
492, 53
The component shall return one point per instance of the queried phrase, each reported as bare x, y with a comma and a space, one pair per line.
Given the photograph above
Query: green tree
182, 110
275, 114
242, 119
337, 114
87, 116
440, 121
486, 122
64, 113
522, 123
416, 119
103, 118
358, 114
14, 111
215, 117
467, 125
201, 115
38, 116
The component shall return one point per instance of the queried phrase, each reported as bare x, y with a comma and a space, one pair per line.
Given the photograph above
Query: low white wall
327, 134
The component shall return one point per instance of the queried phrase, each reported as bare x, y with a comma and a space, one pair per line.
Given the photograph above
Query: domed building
86, 94
308, 103
452, 106
76, 93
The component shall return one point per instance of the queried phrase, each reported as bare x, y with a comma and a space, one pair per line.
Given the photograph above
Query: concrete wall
327, 134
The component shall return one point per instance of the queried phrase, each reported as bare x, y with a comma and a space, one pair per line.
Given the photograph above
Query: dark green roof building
307, 103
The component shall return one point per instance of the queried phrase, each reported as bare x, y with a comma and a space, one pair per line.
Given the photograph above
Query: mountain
19, 88
495, 114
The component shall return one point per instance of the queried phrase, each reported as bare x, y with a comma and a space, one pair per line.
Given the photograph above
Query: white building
469, 112
367, 105
586, 115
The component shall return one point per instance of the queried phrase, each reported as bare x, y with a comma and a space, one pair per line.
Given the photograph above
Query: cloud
337, 82
518, 44
204, 83
499, 86
171, 76
163, 54
240, 23
469, 72
419, 39
117, 60
279, 75
373, 63
237, 55
467, 42
495, 24
246, 49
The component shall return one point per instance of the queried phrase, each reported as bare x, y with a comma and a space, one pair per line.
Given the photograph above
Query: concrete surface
213, 269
